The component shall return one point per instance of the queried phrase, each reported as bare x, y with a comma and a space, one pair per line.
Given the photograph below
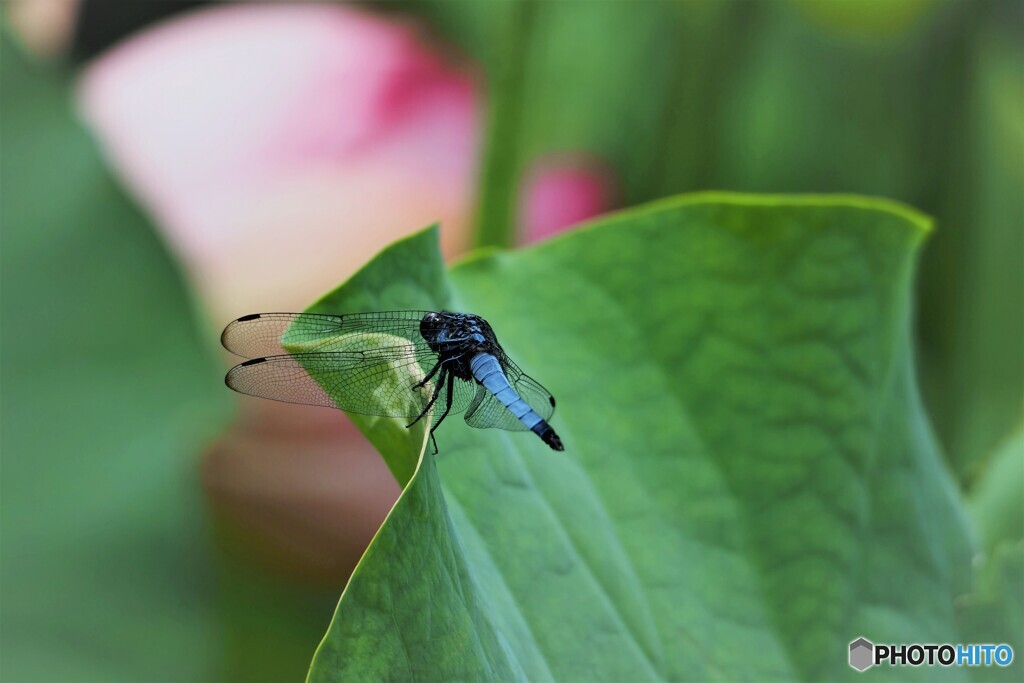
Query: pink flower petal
280, 146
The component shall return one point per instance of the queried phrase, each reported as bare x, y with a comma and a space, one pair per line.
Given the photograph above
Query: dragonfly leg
433, 371
451, 390
433, 399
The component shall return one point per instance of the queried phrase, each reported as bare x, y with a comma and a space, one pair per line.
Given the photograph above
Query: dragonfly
398, 364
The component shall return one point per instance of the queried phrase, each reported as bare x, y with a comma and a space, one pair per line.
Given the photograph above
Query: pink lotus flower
278, 147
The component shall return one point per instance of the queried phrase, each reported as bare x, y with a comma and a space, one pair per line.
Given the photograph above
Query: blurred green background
109, 381
919, 101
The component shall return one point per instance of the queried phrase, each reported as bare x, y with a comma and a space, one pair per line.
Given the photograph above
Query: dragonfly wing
272, 334
486, 411
378, 382
531, 391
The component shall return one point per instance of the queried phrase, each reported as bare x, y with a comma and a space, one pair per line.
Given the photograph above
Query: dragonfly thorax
457, 338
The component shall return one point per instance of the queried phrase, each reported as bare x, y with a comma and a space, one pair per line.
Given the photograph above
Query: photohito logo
864, 654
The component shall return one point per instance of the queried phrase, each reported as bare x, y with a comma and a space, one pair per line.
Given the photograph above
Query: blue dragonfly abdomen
487, 370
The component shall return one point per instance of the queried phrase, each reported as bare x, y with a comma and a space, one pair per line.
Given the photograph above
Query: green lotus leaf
749, 480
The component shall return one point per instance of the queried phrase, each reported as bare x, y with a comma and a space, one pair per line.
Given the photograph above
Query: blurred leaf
994, 609
748, 467
974, 310
556, 84
865, 19
996, 502
108, 395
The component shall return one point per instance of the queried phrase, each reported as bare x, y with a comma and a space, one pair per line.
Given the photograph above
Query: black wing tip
233, 372
552, 399
227, 328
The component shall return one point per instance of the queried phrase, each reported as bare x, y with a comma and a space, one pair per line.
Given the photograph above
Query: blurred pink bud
561, 191
280, 146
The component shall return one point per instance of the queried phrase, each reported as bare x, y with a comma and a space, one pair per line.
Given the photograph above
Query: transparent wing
373, 382
486, 411
380, 383
273, 334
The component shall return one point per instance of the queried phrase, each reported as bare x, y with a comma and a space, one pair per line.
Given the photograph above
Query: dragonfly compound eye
430, 326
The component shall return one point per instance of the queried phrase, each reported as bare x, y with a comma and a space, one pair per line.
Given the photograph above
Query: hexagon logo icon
862, 653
